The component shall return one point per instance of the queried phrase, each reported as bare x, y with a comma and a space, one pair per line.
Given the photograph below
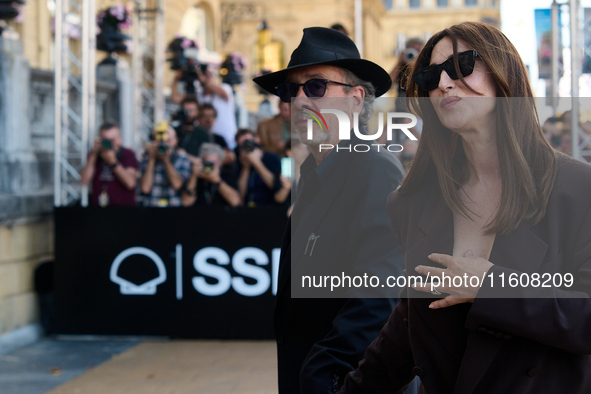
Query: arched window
197, 26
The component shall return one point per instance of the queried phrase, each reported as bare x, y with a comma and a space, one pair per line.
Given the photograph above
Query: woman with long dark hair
486, 197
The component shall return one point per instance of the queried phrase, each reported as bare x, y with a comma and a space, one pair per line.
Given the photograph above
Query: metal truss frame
75, 77
148, 67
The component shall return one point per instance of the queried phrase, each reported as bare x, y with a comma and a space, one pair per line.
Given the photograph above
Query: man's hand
255, 156
87, 172
108, 156
209, 86
285, 182
196, 166
202, 78
244, 160
164, 156
213, 176
151, 149
97, 146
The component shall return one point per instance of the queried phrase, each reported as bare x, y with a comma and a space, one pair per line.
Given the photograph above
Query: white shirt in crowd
225, 123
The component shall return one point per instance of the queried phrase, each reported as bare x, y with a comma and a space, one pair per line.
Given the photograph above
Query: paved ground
48, 363
134, 367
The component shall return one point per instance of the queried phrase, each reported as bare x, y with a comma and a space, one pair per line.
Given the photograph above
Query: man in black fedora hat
339, 222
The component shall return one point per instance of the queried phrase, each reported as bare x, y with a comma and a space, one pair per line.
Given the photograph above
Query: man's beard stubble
319, 136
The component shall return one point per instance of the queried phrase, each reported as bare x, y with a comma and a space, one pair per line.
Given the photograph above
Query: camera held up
186, 61
207, 166
160, 134
248, 146
106, 144
409, 54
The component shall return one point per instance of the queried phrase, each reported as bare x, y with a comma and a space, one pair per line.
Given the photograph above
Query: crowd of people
199, 157
484, 197
187, 166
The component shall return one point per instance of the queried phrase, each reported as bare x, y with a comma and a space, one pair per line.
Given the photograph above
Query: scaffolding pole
555, 56
575, 74
580, 140
74, 76
148, 68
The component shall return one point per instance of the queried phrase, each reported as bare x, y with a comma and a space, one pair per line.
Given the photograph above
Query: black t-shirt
221, 141
191, 141
258, 193
208, 194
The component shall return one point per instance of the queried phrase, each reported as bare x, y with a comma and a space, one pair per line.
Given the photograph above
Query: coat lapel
315, 213
524, 251
436, 223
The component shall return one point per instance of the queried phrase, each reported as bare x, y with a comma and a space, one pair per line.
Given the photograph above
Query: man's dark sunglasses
428, 78
312, 88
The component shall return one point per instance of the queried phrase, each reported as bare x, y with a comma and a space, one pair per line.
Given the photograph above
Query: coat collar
523, 250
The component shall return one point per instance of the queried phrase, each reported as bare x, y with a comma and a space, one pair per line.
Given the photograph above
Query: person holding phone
111, 168
283, 195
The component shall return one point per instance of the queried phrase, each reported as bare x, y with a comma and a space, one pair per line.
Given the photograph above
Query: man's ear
358, 94
358, 91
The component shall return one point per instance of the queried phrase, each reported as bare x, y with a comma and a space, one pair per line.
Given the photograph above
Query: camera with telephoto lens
106, 144
248, 146
409, 54
160, 134
180, 118
207, 166
186, 61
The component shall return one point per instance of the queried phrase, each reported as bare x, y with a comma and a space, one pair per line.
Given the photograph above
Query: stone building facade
26, 99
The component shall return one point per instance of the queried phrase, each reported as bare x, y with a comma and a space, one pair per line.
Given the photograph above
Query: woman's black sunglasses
312, 88
427, 79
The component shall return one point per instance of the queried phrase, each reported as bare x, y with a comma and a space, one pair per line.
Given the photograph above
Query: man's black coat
343, 203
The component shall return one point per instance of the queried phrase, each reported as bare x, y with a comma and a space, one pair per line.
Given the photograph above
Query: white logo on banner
209, 262
128, 288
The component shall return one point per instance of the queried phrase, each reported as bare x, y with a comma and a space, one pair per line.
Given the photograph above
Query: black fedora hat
325, 46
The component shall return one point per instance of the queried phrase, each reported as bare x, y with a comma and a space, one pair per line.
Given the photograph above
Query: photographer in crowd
412, 48
111, 168
220, 96
258, 171
210, 182
186, 124
164, 170
207, 117
275, 132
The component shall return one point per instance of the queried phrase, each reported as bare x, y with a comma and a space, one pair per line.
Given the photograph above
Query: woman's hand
464, 268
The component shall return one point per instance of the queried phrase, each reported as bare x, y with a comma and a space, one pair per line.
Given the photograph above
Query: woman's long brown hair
528, 163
